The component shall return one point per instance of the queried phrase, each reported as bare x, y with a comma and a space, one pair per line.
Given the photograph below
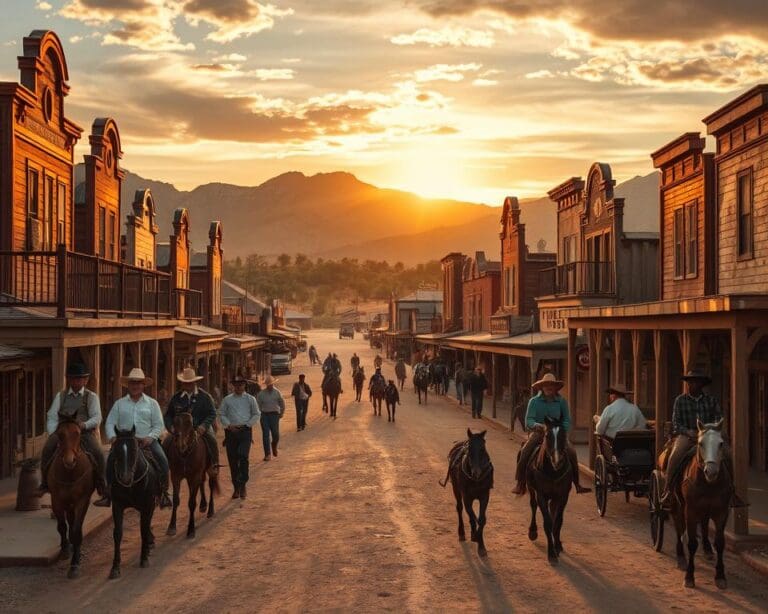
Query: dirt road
350, 517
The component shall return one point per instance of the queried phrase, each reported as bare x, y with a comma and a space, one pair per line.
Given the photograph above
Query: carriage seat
635, 449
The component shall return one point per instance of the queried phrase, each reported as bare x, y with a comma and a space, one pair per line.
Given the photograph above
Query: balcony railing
575, 278
81, 284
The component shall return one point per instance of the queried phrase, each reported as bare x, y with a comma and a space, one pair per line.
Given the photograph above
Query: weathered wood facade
714, 286
481, 291
205, 275
140, 238
453, 298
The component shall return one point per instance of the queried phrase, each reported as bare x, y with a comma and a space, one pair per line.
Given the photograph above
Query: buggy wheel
656, 510
601, 484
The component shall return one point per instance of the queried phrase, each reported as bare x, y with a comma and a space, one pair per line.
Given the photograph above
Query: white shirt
144, 414
239, 410
94, 410
621, 415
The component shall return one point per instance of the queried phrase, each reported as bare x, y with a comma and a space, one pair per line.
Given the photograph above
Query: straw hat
618, 389
136, 375
548, 378
270, 380
187, 376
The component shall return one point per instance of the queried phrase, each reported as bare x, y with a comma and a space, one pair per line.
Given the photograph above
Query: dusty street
350, 517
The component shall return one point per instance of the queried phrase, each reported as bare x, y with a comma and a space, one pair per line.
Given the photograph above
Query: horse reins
135, 480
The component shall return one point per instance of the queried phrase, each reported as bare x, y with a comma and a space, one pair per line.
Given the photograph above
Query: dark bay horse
71, 481
421, 382
331, 390
358, 378
704, 494
136, 484
400, 373
378, 386
188, 459
548, 480
471, 474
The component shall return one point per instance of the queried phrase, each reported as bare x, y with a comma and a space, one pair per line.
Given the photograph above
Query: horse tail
447, 476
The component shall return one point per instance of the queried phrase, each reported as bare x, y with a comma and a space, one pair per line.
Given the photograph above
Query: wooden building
481, 291
57, 304
417, 313
714, 287
453, 298
205, 275
140, 238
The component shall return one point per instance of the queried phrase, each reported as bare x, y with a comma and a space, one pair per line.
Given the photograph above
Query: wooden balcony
81, 285
579, 278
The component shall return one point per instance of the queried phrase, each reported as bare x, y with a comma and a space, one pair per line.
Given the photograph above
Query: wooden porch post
570, 376
689, 348
512, 390
117, 389
661, 395
155, 345
740, 422
637, 348
494, 384
58, 368
595, 384
618, 342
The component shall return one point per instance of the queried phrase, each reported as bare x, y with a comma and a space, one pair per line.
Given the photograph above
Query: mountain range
335, 215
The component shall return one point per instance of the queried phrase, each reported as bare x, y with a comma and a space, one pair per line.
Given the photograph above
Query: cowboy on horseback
548, 403
83, 405
377, 381
354, 362
331, 366
139, 411
199, 403
690, 407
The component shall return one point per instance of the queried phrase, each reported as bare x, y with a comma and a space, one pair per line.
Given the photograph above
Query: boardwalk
350, 517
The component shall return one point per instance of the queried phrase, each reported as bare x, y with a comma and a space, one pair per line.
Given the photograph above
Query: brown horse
704, 494
188, 459
378, 386
548, 481
71, 481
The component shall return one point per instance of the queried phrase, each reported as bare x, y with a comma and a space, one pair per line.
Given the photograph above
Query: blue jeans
301, 412
270, 426
459, 392
477, 403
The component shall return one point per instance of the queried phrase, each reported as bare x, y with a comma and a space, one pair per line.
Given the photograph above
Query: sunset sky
468, 99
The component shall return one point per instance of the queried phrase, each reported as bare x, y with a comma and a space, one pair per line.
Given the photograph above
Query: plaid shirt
687, 409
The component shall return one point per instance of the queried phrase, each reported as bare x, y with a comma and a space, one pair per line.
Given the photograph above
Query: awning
244, 342
201, 338
281, 333
432, 337
526, 344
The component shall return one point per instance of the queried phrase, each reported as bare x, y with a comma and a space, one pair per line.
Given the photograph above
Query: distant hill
335, 215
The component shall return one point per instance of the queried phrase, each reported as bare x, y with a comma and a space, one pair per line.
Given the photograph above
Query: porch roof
198, 332
244, 342
723, 303
439, 336
12, 352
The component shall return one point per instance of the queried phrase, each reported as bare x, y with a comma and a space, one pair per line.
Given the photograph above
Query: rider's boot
165, 498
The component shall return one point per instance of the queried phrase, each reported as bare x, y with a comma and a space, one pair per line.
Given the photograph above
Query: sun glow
432, 172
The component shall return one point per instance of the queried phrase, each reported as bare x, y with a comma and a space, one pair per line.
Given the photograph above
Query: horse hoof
482, 552
690, 583
171, 531
474, 538
203, 508
144, 563
74, 572
115, 573
533, 535
65, 553
553, 560
682, 564
191, 535
210, 513
462, 538
721, 583
559, 548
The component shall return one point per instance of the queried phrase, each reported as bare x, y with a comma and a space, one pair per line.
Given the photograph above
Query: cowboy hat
696, 374
618, 389
187, 376
548, 378
270, 380
238, 379
77, 369
136, 375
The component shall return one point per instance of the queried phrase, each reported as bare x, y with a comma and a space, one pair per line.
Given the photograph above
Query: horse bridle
189, 448
134, 479
466, 469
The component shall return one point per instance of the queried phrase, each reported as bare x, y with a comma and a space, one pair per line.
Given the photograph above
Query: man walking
477, 387
77, 402
200, 404
272, 406
459, 376
238, 413
301, 393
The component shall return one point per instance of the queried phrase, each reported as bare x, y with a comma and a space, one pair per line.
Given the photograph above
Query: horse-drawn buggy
624, 464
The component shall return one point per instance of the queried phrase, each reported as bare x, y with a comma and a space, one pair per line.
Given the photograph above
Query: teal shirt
539, 408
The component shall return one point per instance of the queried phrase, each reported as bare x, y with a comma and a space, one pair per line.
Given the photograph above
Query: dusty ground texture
350, 517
